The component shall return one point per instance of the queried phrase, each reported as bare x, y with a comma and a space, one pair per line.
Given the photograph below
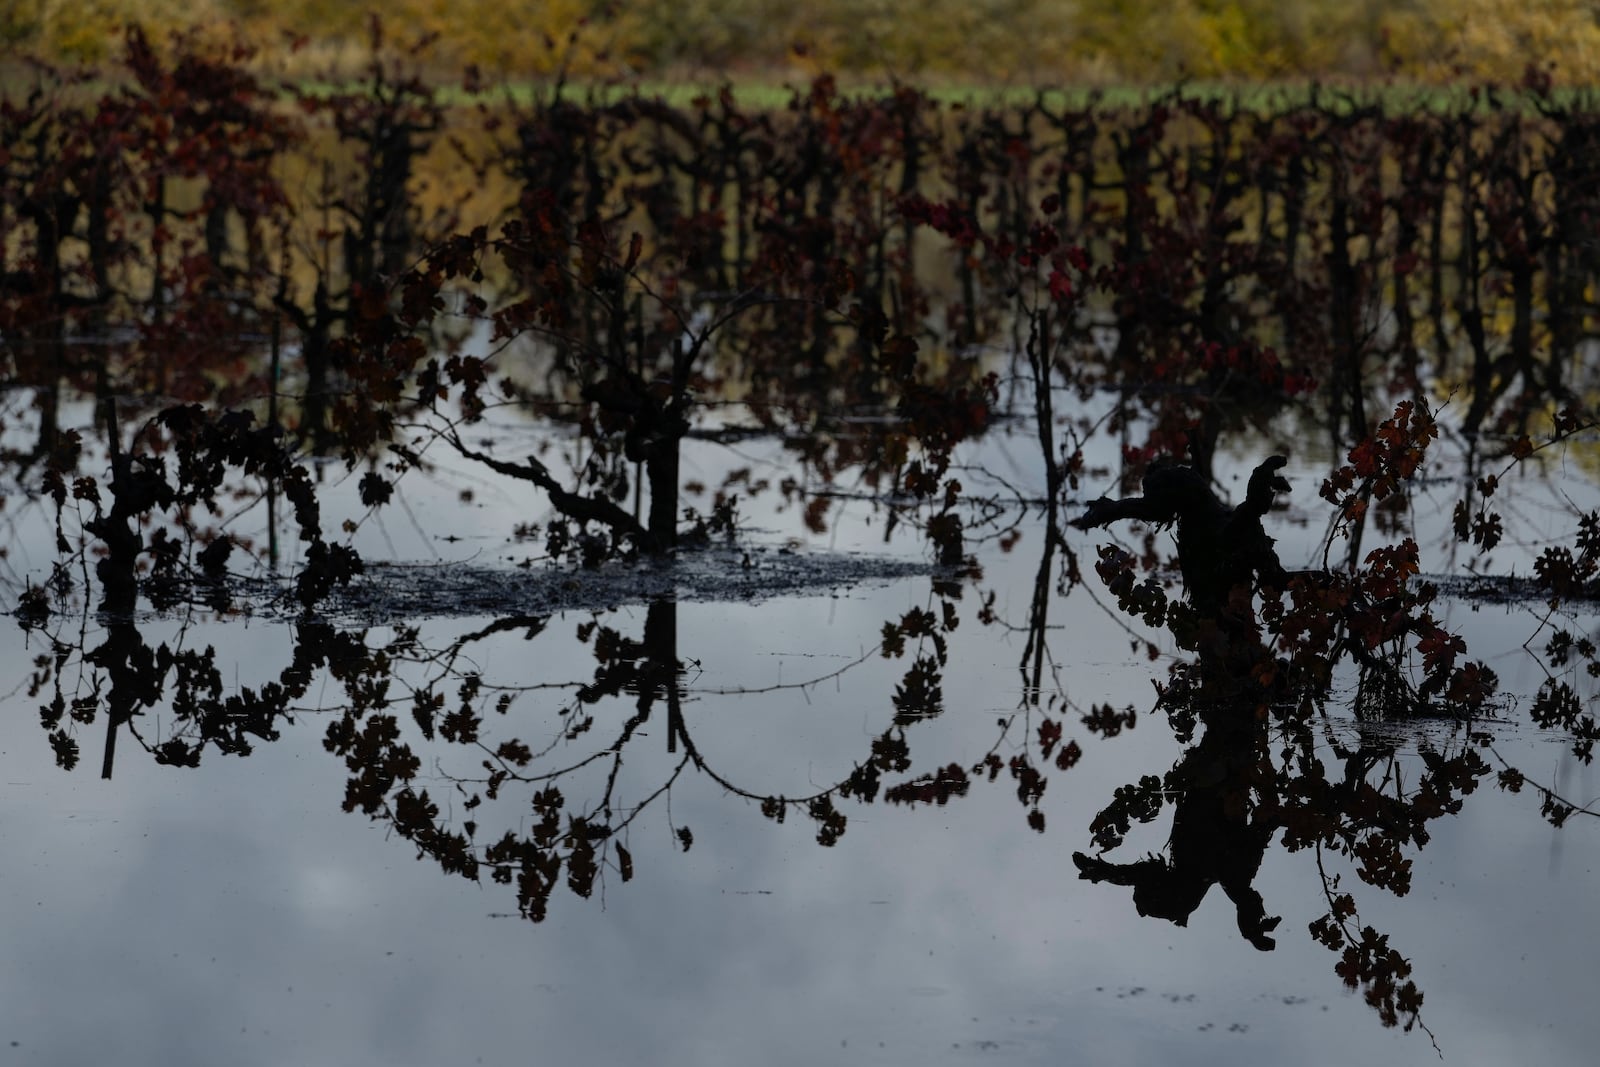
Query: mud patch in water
389, 592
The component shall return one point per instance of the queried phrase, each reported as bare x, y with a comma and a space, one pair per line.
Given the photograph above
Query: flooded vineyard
873, 581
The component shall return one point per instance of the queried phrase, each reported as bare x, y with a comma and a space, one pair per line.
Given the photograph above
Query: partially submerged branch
1219, 548
573, 505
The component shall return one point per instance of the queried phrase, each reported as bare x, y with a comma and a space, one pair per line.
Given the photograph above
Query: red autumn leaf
1060, 286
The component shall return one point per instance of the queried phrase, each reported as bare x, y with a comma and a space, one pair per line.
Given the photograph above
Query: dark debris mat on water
1503, 589
399, 591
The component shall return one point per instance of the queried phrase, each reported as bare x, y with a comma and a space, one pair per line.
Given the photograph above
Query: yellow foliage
528, 36
91, 30
21, 22
985, 41
1497, 40
995, 40
1150, 39
522, 36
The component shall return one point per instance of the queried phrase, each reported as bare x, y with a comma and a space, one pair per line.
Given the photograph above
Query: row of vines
234, 271
190, 201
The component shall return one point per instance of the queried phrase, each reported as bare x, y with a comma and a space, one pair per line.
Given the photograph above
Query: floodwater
236, 911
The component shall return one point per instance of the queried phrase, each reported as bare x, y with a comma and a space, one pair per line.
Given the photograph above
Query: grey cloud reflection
923, 928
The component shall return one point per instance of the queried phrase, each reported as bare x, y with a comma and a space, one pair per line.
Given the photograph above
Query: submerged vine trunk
1219, 548
662, 470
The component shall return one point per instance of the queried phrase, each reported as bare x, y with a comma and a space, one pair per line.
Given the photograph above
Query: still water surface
234, 913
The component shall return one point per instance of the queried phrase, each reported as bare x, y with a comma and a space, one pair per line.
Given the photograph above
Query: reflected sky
233, 913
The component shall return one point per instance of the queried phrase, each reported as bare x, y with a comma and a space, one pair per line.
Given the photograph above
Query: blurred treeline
979, 42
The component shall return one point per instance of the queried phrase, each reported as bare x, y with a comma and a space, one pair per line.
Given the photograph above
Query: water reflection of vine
1257, 690
453, 706
1262, 642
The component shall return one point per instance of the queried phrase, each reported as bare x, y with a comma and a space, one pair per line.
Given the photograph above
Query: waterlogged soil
391, 593
396, 592
1505, 589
